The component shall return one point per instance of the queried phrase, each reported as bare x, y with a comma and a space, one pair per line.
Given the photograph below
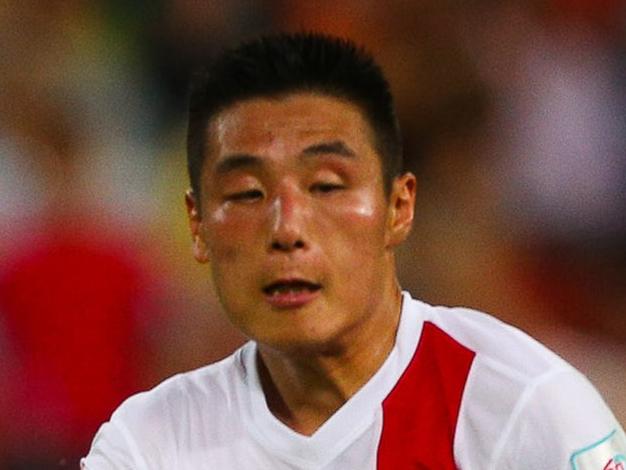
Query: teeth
289, 288
286, 289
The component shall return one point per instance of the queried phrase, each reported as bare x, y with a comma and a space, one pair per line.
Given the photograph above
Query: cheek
364, 207
361, 221
229, 241
228, 234
364, 211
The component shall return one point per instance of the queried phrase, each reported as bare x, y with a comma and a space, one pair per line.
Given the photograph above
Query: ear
200, 251
401, 209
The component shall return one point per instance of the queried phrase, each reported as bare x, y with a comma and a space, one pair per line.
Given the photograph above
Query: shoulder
210, 385
522, 402
146, 430
505, 349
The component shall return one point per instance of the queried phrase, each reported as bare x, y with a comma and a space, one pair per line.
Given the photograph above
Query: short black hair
280, 64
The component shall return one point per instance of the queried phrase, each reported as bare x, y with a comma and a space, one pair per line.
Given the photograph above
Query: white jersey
460, 389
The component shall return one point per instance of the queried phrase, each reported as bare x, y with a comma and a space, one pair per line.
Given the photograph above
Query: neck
303, 390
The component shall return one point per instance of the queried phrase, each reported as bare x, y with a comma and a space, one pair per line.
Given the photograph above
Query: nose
287, 219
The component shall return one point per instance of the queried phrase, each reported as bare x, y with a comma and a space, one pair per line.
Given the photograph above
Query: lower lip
291, 300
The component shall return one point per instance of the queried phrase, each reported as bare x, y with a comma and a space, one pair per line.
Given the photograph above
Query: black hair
279, 64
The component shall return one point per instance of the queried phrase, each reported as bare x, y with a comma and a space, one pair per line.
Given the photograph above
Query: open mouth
296, 286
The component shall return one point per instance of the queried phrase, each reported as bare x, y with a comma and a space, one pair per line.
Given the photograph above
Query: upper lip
290, 281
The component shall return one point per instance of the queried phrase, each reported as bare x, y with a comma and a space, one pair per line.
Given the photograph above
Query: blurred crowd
513, 120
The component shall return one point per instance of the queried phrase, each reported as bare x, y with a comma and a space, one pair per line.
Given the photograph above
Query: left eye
326, 187
245, 196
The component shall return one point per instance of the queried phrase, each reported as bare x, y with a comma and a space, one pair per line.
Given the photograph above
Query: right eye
245, 196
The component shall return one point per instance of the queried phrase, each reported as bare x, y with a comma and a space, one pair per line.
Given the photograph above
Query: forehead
283, 126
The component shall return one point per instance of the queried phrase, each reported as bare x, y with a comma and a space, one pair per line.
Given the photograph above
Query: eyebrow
336, 147
235, 162
238, 161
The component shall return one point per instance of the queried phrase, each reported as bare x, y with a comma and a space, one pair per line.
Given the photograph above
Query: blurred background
513, 120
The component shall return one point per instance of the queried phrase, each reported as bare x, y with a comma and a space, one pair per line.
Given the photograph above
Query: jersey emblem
609, 453
616, 463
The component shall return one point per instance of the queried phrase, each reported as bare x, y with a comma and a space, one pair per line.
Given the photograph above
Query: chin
304, 343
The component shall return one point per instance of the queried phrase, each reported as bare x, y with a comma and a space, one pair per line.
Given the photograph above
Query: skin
292, 188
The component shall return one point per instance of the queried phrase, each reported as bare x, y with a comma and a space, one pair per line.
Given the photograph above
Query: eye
245, 196
326, 187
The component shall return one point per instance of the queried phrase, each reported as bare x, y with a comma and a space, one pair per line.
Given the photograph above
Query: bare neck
305, 390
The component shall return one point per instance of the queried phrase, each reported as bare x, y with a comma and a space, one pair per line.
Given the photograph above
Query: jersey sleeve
113, 448
561, 422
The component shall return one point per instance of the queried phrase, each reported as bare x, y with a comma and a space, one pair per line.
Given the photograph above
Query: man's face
294, 220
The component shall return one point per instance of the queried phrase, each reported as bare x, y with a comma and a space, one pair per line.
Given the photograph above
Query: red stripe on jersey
420, 413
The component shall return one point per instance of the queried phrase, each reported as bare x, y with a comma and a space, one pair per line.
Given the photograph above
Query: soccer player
298, 201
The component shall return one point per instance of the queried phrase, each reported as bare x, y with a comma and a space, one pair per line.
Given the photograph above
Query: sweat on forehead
303, 125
